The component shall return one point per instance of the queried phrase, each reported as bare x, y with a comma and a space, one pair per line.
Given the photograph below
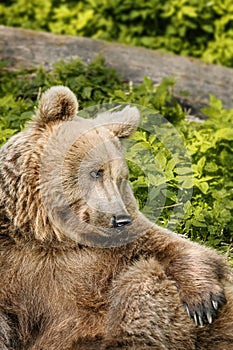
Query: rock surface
27, 48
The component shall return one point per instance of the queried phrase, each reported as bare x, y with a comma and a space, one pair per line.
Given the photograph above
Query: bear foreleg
146, 312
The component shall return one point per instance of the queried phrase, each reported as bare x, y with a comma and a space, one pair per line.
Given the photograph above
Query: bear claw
215, 304
205, 314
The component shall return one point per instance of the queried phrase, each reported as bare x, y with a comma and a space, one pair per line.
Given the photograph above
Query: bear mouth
95, 234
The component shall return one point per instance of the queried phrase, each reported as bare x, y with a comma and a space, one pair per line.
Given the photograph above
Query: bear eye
96, 174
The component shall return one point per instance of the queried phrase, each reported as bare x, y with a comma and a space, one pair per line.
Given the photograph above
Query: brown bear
81, 267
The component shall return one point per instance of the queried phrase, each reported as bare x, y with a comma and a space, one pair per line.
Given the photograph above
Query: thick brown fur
63, 286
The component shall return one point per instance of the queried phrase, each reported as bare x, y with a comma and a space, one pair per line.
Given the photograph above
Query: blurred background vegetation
198, 28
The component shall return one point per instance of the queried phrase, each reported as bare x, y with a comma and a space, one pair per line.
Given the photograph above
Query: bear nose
121, 220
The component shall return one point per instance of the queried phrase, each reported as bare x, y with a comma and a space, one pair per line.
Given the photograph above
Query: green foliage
19, 91
194, 199
209, 218
196, 28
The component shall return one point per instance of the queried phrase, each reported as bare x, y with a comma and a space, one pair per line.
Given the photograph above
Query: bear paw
205, 311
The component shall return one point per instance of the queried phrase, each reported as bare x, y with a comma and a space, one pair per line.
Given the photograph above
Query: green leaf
161, 159
224, 134
203, 186
86, 93
184, 170
188, 183
215, 103
156, 180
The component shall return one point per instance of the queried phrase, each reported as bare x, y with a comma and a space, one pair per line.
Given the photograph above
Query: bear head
72, 178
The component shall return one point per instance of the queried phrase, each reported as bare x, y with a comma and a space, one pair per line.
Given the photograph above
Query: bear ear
122, 123
57, 103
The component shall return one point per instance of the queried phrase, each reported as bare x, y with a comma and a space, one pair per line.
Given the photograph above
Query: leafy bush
209, 215
197, 200
196, 28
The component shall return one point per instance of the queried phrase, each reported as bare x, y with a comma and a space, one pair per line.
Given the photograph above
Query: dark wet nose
121, 220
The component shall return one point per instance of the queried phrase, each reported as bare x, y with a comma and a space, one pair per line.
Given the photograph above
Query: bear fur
81, 267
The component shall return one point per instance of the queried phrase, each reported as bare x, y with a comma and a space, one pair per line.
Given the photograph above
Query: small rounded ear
122, 123
57, 103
